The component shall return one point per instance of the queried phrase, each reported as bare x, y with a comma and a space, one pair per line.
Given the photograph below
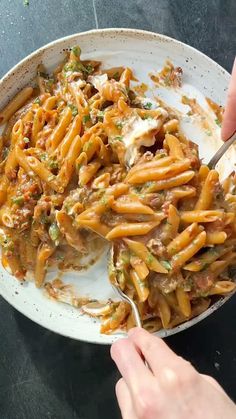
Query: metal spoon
125, 297
222, 150
119, 291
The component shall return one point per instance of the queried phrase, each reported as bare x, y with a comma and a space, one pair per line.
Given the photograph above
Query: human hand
173, 390
229, 118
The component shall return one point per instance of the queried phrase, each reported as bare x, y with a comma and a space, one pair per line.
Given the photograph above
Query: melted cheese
139, 132
98, 81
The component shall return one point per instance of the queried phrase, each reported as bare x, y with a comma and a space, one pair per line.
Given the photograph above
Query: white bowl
144, 52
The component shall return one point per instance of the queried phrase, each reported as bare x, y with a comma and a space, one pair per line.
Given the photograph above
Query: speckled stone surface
43, 375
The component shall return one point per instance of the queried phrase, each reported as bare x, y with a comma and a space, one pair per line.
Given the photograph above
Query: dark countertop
43, 375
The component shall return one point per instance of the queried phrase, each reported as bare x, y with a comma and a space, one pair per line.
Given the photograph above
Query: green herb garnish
118, 138
147, 105
100, 115
89, 69
208, 132
43, 156
119, 125
103, 200
76, 51
54, 232
87, 145
53, 164
86, 118
26, 3
149, 258
18, 200
166, 265
217, 121
37, 101
44, 219
74, 109
26, 140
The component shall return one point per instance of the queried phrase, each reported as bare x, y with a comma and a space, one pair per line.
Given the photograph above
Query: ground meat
203, 281
157, 248
154, 200
163, 282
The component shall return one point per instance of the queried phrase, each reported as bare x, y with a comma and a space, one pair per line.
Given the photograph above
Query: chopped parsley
44, 219
166, 265
118, 138
26, 3
53, 164
70, 67
89, 69
86, 118
76, 51
149, 184
87, 145
26, 140
18, 200
43, 156
119, 125
77, 66
49, 83
78, 167
103, 200
100, 115
74, 109
37, 101
54, 232
217, 121
137, 189
208, 132
149, 258
147, 105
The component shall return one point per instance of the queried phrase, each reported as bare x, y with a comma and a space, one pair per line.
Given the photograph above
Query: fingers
130, 365
154, 349
124, 400
229, 118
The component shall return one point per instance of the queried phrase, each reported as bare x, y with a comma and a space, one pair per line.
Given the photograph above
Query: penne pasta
183, 239
172, 182
159, 173
58, 133
131, 229
201, 216
174, 145
180, 258
16, 103
143, 253
183, 301
87, 161
207, 193
140, 286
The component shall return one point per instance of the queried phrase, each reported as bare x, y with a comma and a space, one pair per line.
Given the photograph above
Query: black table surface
43, 375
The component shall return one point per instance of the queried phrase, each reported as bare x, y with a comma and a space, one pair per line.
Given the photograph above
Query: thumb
229, 117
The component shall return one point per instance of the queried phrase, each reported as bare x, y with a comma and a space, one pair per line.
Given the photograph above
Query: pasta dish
87, 159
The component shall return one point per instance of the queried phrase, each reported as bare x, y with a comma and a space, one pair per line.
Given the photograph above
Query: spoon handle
214, 160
